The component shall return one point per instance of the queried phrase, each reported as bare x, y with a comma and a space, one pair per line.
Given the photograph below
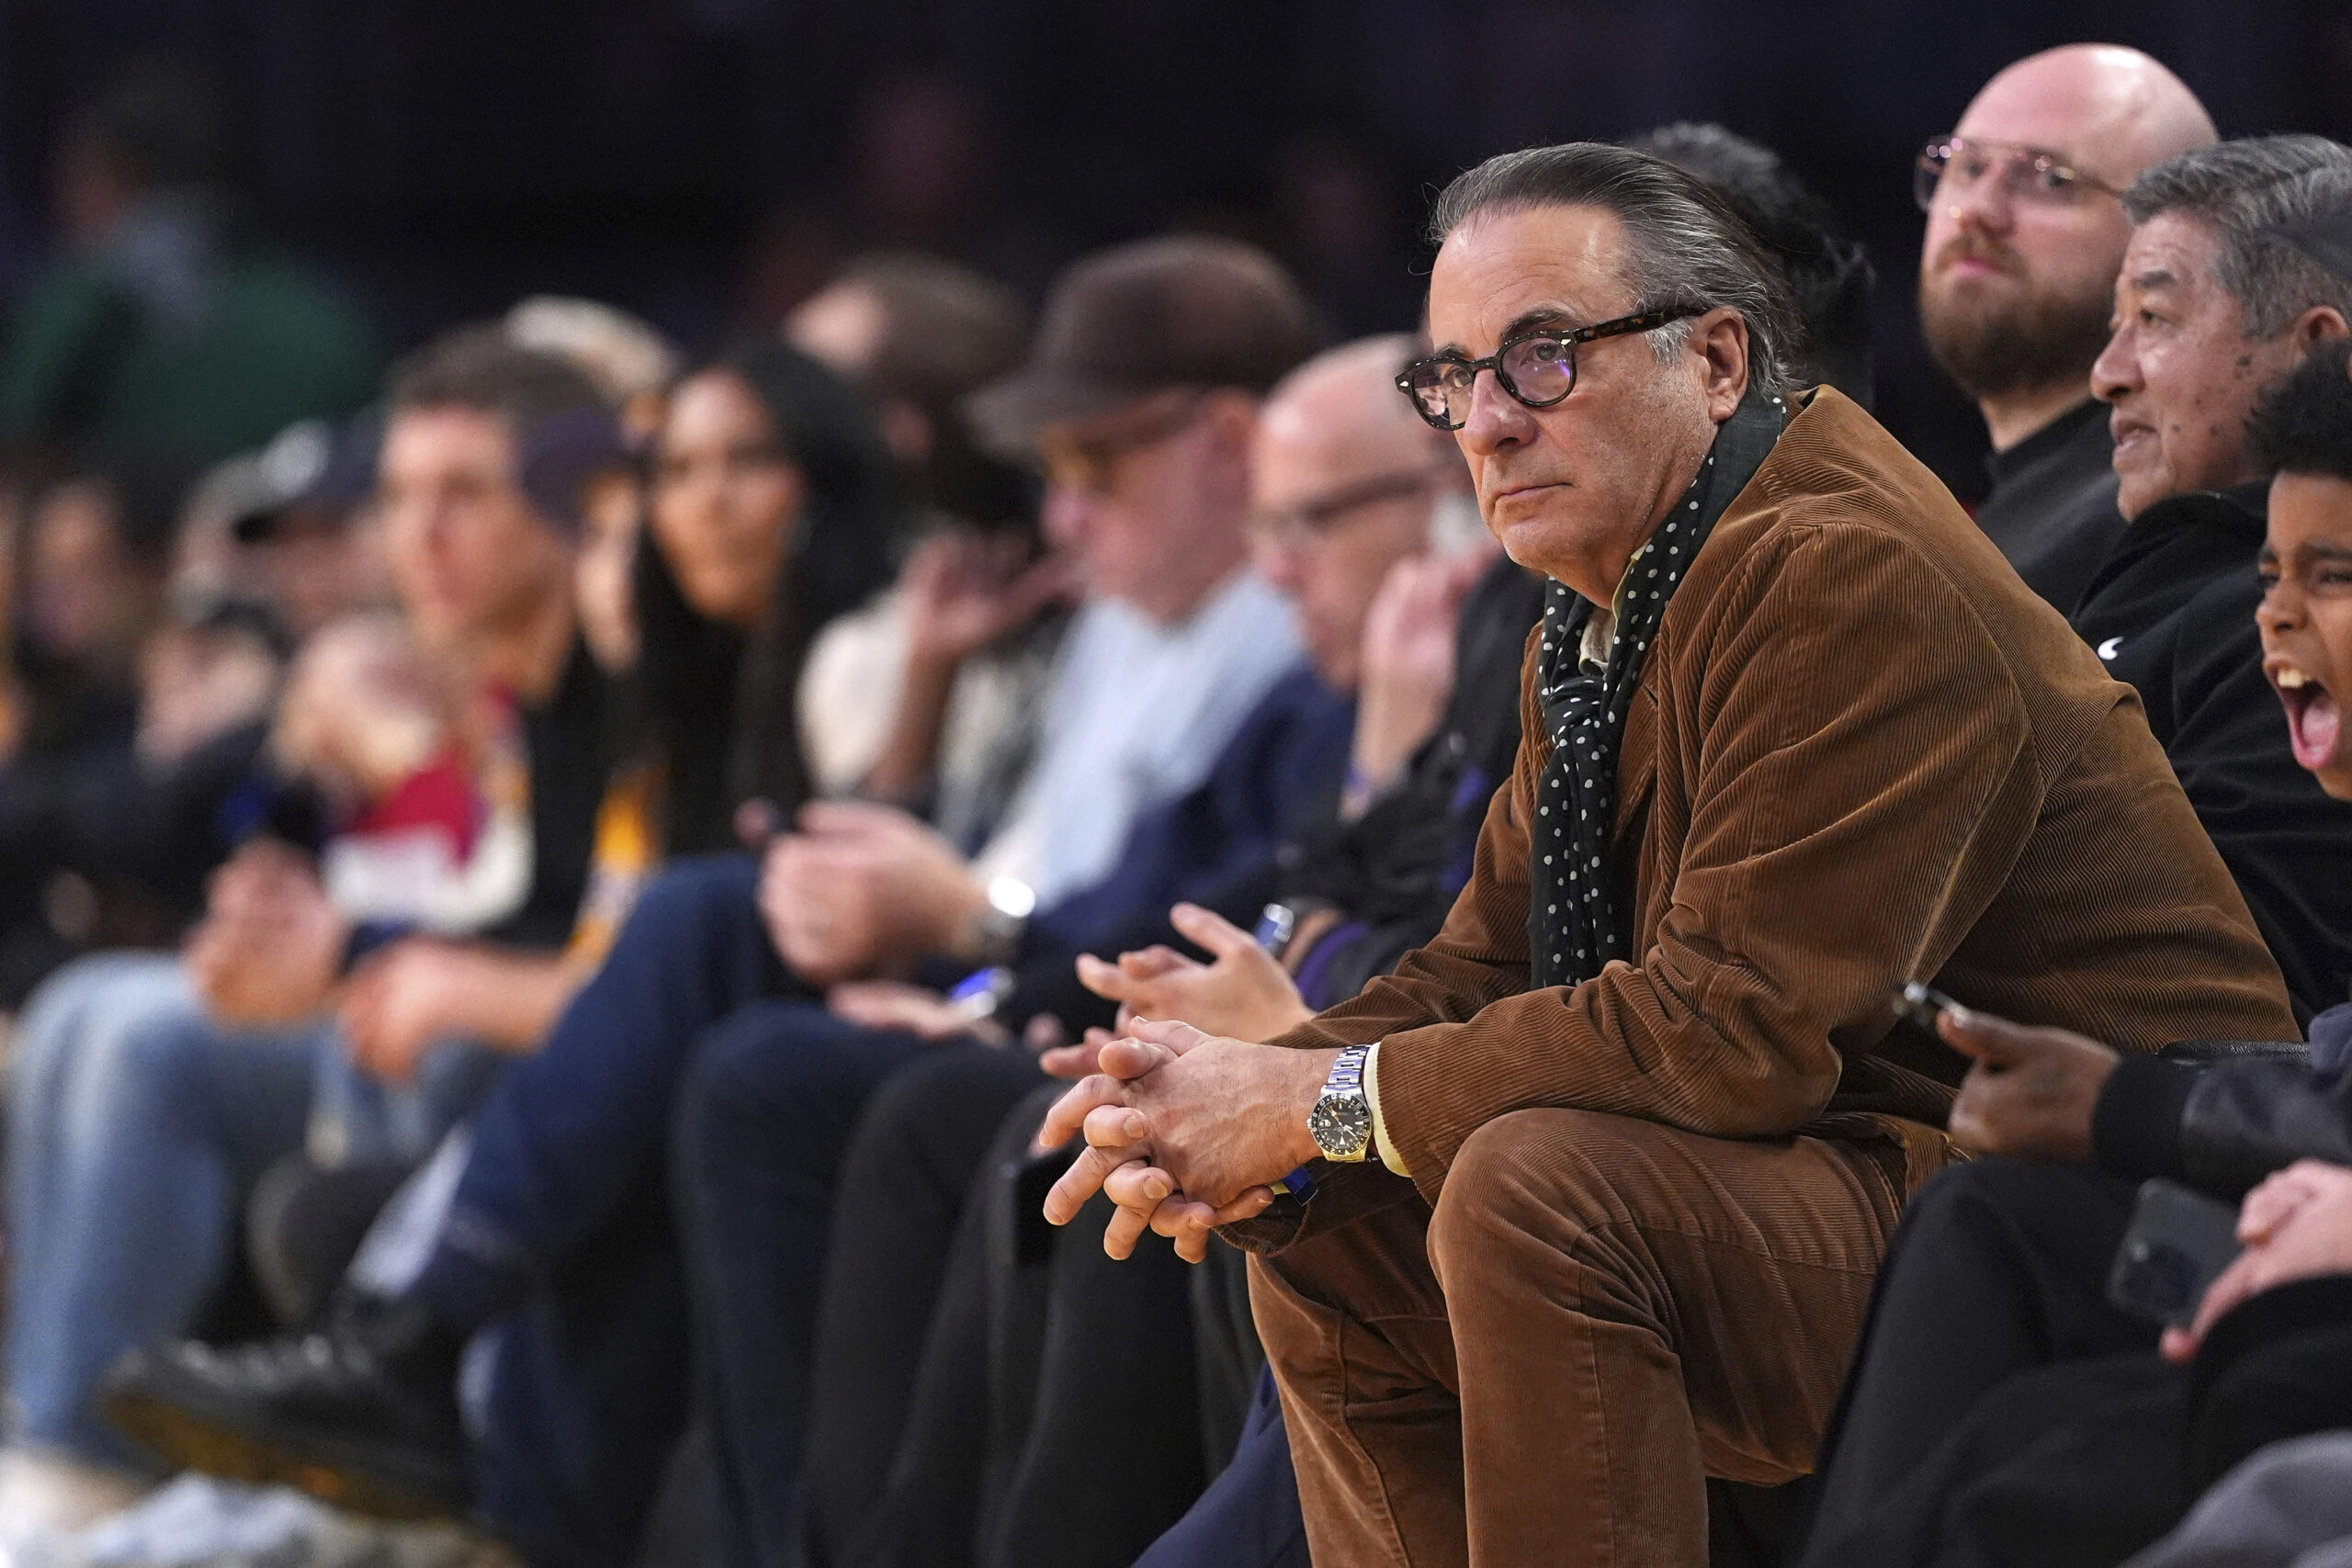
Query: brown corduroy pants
1599, 1313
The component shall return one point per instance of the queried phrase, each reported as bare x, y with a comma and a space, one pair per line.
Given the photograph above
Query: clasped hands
1184, 1132
269, 954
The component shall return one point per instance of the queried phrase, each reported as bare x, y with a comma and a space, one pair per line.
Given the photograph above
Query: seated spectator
971, 628
2209, 312
1250, 1515
772, 509
137, 1120
89, 605
301, 518
1352, 493
2017, 279
1666, 1014
2002, 1409
559, 1224
126, 829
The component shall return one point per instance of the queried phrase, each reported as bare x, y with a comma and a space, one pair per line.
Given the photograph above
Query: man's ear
1720, 340
1231, 415
2319, 323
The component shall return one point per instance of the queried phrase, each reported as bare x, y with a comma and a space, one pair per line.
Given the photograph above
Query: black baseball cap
312, 464
1181, 311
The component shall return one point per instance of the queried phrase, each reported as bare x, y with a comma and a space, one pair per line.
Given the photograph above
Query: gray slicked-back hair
1684, 245
2244, 191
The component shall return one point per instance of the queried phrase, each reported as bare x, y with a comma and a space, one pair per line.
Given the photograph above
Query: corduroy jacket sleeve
1845, 777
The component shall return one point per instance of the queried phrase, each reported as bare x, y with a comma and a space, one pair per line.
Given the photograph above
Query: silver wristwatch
1342, 1120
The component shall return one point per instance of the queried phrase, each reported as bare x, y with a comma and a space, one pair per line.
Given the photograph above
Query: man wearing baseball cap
1138, 405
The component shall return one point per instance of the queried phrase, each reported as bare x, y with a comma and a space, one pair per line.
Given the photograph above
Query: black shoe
362, 1415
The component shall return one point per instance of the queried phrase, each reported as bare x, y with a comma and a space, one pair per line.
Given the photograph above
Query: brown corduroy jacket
1862, 751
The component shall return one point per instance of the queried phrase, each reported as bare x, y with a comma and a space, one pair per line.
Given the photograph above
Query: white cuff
1388, 1154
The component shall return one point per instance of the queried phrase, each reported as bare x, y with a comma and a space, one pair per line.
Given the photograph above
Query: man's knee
1545, 1171
770, 1076
160, 1056
691, 899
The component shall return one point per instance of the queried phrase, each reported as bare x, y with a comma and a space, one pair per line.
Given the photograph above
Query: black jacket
2224, 1125
2052, 510
2172, 613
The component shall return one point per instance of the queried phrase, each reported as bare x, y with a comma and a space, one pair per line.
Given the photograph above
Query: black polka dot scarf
1573, 924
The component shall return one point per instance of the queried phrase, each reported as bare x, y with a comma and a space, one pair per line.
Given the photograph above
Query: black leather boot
362, 1414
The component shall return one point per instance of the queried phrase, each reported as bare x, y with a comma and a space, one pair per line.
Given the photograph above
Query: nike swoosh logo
2107, 650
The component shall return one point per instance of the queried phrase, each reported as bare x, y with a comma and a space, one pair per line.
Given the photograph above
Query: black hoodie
2172, 611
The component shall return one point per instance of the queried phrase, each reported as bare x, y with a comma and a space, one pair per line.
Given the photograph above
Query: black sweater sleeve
2223, 1126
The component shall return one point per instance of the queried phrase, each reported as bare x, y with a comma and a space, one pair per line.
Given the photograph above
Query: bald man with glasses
2016, 281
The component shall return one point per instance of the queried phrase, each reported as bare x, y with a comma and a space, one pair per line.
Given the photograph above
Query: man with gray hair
1641, 1118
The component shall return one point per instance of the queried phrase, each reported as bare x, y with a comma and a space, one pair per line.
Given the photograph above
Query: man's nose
1983, 204
2115, 375
1279, 560
1066, 513
1496, 419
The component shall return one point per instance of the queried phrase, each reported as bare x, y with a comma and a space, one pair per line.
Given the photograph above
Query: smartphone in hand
1922, 1005
2177, 1244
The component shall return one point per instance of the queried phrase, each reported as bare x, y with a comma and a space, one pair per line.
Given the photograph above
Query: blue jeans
559, 1236
135, 1128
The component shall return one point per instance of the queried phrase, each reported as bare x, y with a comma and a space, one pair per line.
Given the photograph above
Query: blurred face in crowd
319, 566
78, 578
470, 556
2180, 371
726, 497
1573, 489
841, 327
1342, 485
1149, 500
603, 575
2306, 619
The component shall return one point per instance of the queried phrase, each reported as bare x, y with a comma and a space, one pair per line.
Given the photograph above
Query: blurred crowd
618, 945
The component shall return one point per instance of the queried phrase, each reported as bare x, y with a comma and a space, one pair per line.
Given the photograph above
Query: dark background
704, 162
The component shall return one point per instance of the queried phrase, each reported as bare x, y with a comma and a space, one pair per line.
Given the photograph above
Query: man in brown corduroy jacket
1640, 1120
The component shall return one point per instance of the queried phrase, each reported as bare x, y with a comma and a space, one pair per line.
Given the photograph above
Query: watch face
1341, 1124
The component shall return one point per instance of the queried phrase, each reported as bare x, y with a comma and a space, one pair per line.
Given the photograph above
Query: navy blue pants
563, 1232
1250, 1515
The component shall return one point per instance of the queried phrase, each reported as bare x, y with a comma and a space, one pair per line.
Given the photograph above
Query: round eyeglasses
1954, 165
1537, 367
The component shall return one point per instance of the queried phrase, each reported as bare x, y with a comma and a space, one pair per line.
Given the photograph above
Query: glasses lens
1441, 389
1927, 174
2041, 178
1542, 369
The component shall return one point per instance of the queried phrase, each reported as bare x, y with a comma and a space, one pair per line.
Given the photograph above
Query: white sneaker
43, 1490
46, 1497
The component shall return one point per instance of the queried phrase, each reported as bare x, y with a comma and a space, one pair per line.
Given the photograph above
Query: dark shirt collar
2241, 510
2059, 433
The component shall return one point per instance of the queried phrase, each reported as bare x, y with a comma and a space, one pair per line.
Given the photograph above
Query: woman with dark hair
771, 510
